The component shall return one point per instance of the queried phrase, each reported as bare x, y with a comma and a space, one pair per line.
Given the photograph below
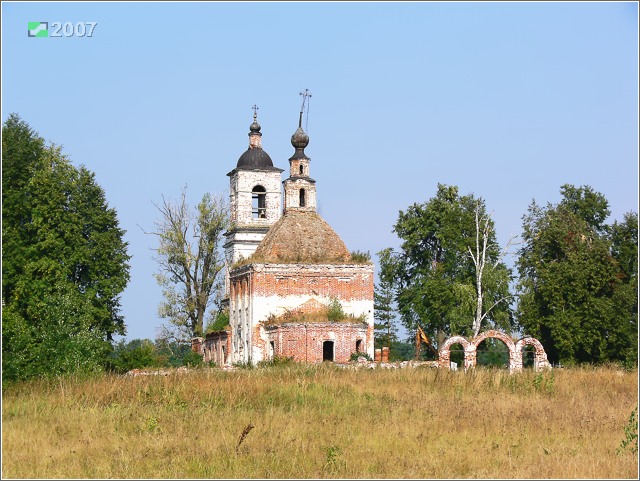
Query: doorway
327, 351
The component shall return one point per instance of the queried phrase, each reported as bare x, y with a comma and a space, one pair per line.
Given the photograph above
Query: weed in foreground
243, 435
630, 434
333, 460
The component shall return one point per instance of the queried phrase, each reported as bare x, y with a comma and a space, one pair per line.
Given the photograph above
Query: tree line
576, 287
65, 265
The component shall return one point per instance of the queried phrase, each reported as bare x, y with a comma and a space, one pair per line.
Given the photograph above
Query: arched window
303, 202
301, 169
259, 202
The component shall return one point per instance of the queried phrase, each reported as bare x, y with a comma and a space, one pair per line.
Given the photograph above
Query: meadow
298, 421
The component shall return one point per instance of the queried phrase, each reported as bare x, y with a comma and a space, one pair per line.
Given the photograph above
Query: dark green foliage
60, 240
457, 354
219, 323
578, 280
492, 352
355, 355
144, 353
360, 257
192, 359
174, 354
335, 311
402, 351
384, 313
62, 341
433, 273
135, 354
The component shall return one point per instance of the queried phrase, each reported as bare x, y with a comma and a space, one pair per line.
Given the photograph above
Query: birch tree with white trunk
484, 228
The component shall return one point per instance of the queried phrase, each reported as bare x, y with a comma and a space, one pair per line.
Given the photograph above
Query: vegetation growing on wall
332, 312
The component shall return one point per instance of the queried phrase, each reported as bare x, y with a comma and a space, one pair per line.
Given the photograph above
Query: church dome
302, 237
254, 158
299, 139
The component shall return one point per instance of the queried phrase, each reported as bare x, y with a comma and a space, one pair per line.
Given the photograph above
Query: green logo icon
38, 29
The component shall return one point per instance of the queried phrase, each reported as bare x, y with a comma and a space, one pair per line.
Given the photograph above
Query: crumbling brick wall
469, 352
217, 346
305, 342
261, 291
515, 350
242, 182
540, 360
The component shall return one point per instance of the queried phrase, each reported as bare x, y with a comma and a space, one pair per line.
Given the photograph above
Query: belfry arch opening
303, 200
259, 202
301, 169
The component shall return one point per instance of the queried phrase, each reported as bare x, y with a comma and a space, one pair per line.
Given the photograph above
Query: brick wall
292, 194
305, 342
216, 347
242, 183
515, 350
345, 282
258, 291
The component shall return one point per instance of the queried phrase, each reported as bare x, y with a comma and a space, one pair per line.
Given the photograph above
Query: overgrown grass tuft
321, 421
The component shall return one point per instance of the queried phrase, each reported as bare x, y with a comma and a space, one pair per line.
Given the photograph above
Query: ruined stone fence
515, 350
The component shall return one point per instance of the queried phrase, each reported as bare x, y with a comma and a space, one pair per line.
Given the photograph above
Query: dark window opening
359, 345
259, 202
327, 351
301, 170
302, 198
273, 348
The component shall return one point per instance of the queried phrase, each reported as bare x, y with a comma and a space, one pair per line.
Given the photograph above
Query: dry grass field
322, 422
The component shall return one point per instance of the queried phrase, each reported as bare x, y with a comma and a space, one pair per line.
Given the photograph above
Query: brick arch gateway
515, 350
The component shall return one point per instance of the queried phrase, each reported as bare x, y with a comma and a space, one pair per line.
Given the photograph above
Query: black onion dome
255, 128
299, 139
255, 158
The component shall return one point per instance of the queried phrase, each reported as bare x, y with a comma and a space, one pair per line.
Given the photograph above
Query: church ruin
293, 288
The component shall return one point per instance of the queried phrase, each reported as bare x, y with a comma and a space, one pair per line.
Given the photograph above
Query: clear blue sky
508, 101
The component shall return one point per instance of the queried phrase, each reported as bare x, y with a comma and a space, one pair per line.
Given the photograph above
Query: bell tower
254, 198
299, 188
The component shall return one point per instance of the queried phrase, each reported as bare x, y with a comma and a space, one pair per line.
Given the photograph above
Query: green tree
384, 312
578, 279
59, 338
190, 260
624, 239
135, 354
60, 240
434, 273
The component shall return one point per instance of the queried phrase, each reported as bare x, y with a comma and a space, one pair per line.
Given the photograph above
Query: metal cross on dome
305, 98
305, 95
255, 111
